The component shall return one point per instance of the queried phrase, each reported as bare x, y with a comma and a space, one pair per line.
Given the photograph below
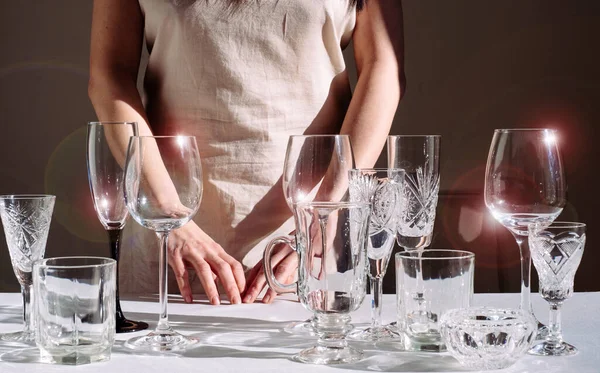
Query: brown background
471, 65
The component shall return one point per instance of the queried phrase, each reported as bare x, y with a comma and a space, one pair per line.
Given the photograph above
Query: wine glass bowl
524, 185
163, 189
26, 221
556, 250
419, 157
106, 156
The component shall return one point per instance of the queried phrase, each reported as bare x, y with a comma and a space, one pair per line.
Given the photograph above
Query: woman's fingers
256, 279
284, 273
226, 277
181, 275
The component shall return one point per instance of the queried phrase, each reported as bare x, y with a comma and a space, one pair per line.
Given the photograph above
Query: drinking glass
26, 220
106, 144
315, 169
524, 184
419, 157
163, 189
556, 251
331, 242
383, 189
75, 309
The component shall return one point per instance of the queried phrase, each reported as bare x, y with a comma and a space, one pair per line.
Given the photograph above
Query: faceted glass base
329, 355
163, 340
304, 328
382, 333
19, 337
80, 356
551, 349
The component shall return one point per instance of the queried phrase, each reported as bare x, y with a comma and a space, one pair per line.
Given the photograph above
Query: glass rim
101, 123
328, 204
458, 254
27, 196
424, 136
320, 135
507, 130
376, 169
558, 224
162, 137
102, 262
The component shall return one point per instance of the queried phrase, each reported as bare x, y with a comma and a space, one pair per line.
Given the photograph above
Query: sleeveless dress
242, 79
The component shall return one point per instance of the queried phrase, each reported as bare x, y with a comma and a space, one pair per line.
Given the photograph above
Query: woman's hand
285, 267
190, 246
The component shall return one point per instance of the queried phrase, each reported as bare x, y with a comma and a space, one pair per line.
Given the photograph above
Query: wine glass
383, 189
106, 145
556, 251
524, 184
419, 157
315, 169
26, 220
163, 189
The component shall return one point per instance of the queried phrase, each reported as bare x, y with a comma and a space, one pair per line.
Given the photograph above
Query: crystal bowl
483, 338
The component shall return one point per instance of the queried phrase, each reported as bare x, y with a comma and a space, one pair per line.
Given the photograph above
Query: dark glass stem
114, 236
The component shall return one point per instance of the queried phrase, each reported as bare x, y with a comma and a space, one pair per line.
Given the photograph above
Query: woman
242, 76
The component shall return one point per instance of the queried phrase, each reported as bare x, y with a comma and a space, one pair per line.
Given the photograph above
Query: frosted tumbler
445, 282
75, 309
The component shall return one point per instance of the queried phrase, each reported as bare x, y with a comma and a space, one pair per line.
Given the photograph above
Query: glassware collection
347, 221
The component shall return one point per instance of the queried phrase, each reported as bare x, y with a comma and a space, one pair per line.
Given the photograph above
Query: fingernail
247, 299
215, 300
188, 299
267, 299
235, 300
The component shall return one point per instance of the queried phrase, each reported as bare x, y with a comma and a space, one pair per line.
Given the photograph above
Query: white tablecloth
248, 338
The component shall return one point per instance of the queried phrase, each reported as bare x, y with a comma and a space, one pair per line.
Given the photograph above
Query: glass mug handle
274, 284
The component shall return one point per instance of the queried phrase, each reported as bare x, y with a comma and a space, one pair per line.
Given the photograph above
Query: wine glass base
329, 355
304, 328
548, 349
382, 333
128, 326
163, 340
18, 337
542, 331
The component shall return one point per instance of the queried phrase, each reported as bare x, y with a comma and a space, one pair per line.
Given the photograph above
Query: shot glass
429, 283
74, 309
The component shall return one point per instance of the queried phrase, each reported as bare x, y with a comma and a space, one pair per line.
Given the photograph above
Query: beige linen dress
242, 80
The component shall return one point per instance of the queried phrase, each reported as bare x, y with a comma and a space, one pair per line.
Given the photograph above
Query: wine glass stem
27, 319
114, 236
554, 337
525, 272
376, 294
163, 321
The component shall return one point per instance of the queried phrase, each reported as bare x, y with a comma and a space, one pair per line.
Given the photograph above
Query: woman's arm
379, 53
116, 46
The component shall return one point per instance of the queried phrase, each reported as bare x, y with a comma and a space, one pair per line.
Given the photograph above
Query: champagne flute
106, 142
163, 189
26, 220
524, 185
382, 188
315, 170
419, 157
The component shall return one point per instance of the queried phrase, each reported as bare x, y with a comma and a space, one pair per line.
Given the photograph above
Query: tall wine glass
524, 184
106, 144
26, 220
315, 170
163, 189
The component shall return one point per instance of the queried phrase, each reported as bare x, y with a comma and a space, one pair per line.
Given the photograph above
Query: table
248, 338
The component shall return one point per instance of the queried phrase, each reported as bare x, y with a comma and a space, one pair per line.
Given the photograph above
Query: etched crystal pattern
383, 193
26, 223
556, 259
420, 196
